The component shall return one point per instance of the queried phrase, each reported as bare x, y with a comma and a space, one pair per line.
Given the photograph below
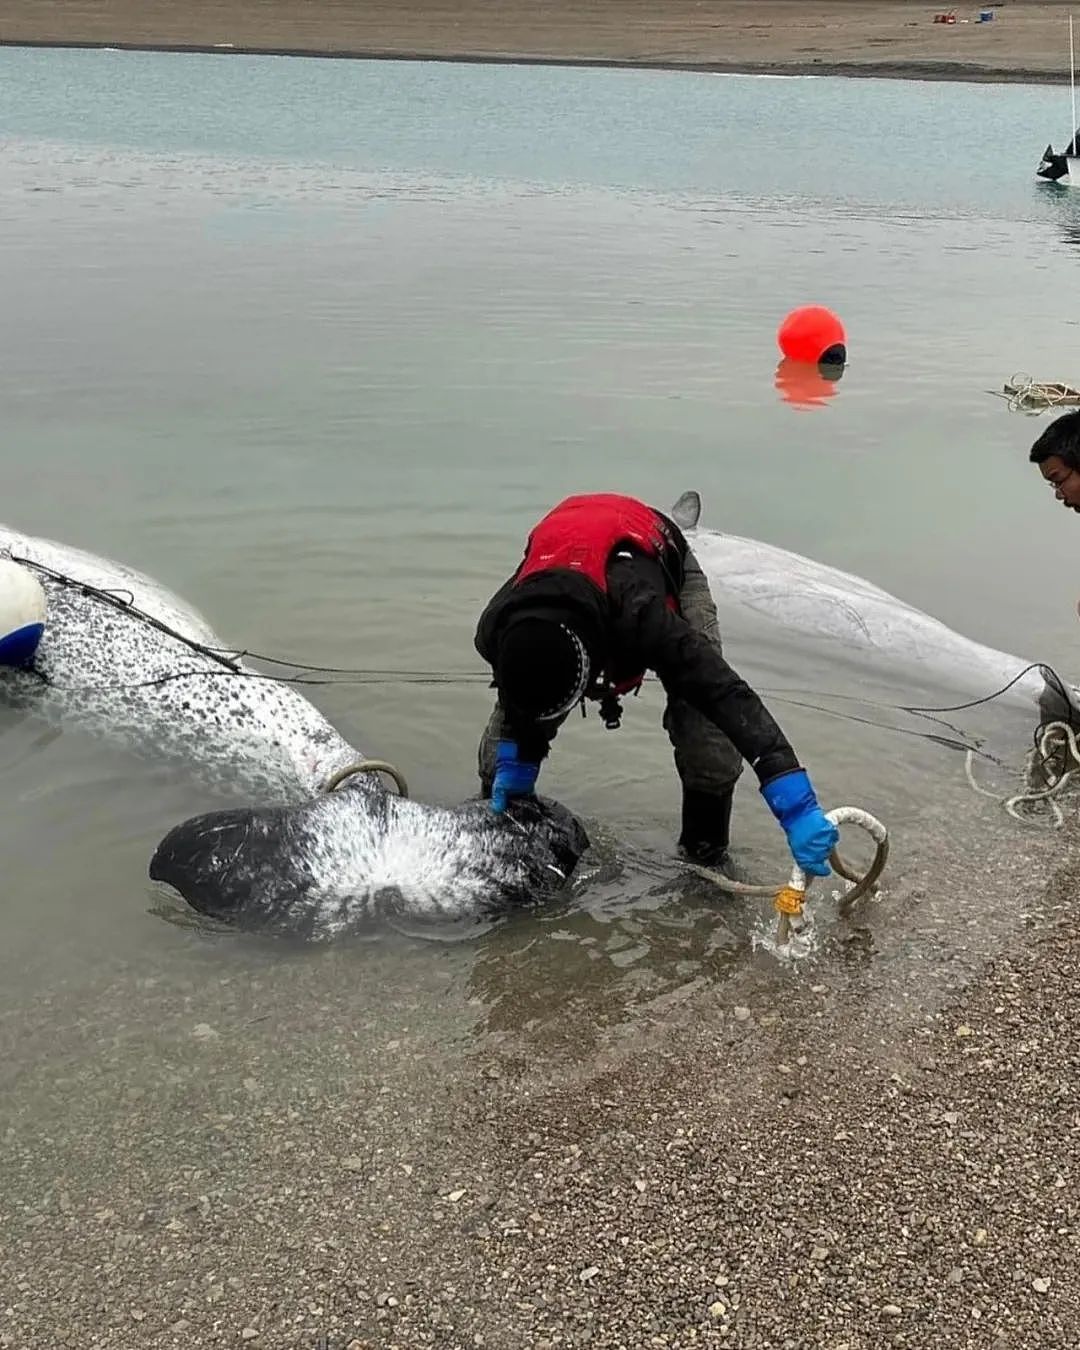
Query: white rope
800, 882
1054, 761
1024, 393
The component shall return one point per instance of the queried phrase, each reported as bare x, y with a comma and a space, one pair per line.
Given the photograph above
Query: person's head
1057, 453
541, 666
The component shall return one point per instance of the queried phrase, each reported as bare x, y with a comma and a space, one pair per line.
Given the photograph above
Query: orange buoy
814, 334
804, 385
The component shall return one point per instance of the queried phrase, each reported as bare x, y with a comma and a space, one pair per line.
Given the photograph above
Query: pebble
1040, 1285
740, 1014
718, 1309
589, 1273
892, 1310
203, 1031
249, 1334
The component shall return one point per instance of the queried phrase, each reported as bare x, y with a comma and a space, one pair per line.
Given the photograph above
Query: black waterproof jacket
631, 630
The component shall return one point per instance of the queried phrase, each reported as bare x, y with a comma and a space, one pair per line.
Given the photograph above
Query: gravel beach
780, 1172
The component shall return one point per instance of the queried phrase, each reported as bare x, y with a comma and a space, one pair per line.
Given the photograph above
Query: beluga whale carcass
835, 609
123, 659
113, 653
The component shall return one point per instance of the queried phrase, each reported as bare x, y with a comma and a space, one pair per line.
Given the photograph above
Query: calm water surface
315, 342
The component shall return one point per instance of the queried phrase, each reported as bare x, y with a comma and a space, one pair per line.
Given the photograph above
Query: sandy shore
897, 38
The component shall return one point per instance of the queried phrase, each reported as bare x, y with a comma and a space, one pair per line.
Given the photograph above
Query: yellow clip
789, 901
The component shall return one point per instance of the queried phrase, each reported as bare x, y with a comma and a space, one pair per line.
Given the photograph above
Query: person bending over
607, 590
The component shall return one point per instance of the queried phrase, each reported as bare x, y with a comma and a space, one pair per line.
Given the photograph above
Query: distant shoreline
940, 71
1026, 41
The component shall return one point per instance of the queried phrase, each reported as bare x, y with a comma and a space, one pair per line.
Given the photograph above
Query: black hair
1061, 438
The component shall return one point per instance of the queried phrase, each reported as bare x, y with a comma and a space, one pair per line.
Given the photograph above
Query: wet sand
896, 38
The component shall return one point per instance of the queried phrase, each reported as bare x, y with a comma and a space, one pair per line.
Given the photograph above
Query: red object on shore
813, 333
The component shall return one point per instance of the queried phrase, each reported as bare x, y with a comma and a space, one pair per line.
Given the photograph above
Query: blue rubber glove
513, 776
811, 835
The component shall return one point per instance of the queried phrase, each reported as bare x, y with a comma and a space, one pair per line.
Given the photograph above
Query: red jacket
581, 533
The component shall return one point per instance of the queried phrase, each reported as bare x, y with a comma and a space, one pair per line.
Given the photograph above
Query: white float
22, 613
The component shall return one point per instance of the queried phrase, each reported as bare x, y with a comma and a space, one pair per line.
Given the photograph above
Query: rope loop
368, 766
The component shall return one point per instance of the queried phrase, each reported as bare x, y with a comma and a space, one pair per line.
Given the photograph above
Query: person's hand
514, 777
811, 835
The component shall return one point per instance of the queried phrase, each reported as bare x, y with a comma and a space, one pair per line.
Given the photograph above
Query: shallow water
314, 343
